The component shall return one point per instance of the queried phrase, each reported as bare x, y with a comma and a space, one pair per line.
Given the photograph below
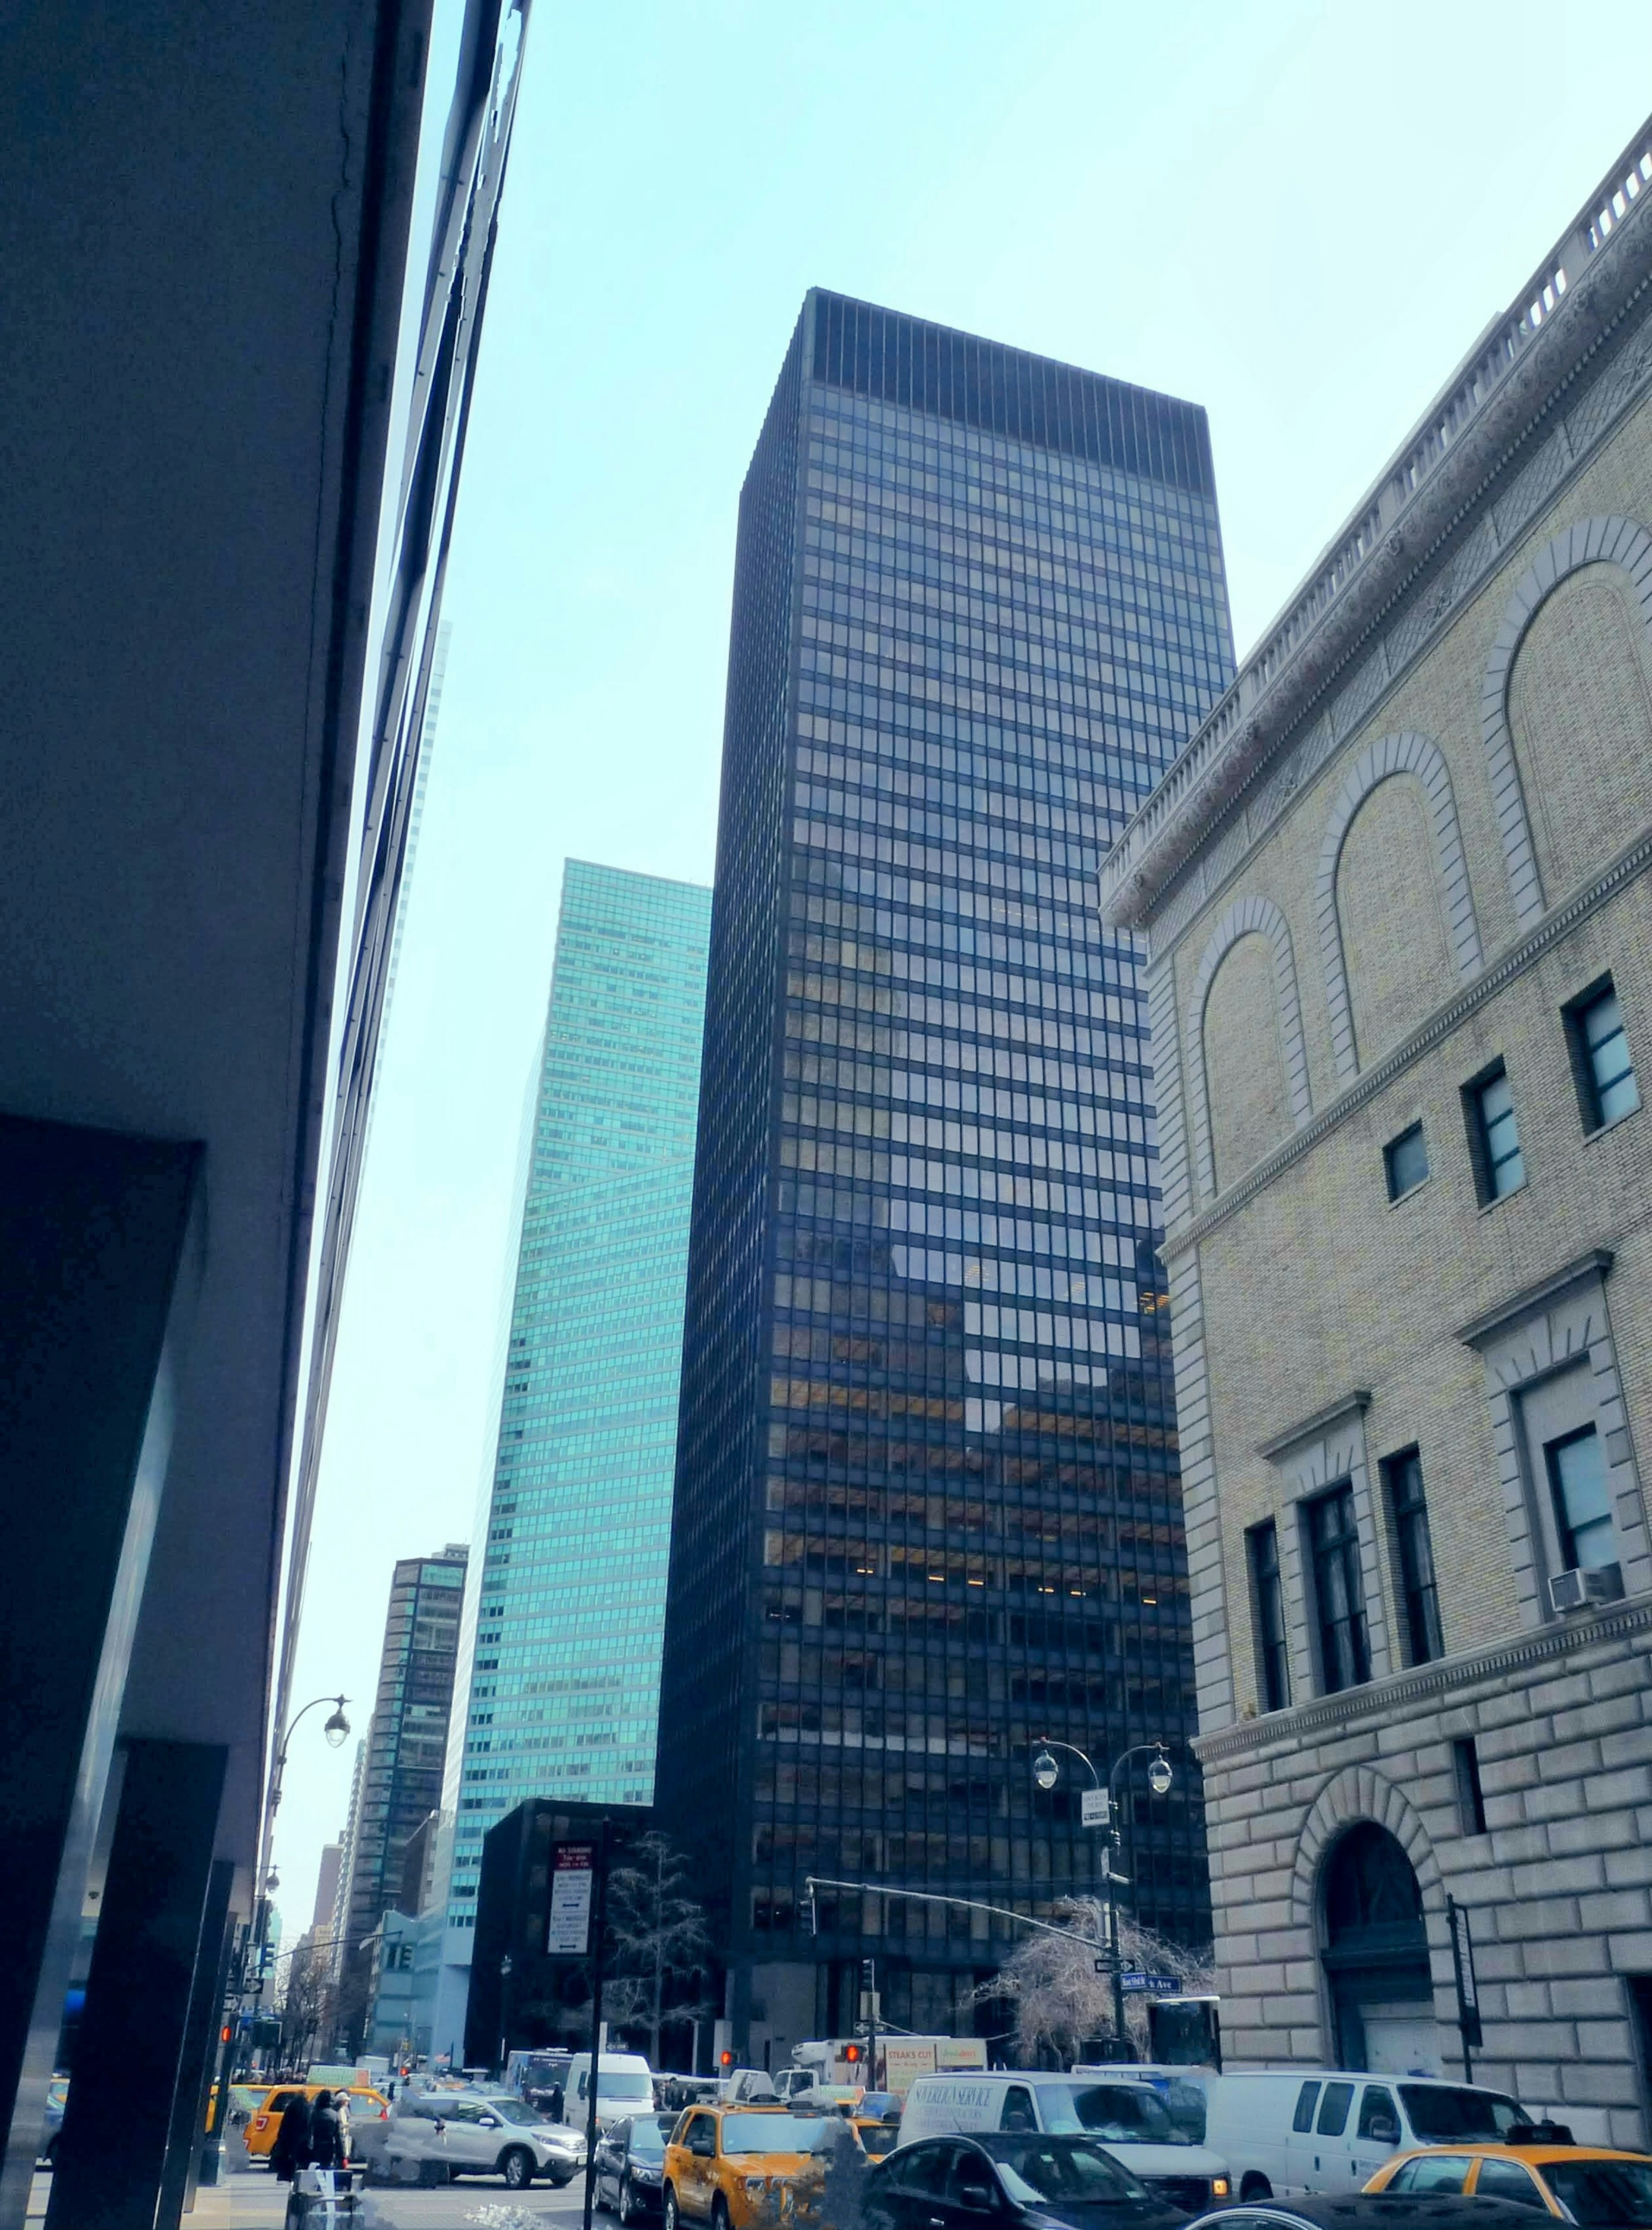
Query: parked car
1129, 2118
629, 2172
1540, 2169
1299, 2129
437, 2136
1010, 2177
1357, 2210
724, 2164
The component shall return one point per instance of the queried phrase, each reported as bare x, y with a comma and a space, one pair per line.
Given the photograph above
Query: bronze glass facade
927, 1509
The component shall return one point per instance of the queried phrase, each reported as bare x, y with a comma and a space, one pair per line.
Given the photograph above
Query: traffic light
852, 2053
726, 2058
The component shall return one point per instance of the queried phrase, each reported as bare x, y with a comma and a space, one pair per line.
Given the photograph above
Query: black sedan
1012, 2177
1373, 2210
630, 2160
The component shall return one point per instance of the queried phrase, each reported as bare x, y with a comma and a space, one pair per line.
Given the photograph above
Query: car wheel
719, 2213
673, 2221
516, 2169
1254, 2188
627, 2211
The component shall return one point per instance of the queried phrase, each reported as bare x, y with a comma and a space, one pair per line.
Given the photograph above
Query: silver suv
436, 2135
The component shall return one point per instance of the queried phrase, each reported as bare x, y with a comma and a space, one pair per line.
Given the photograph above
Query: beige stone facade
1394, 882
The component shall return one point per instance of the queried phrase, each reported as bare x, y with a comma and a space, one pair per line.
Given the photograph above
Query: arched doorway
1375, 1957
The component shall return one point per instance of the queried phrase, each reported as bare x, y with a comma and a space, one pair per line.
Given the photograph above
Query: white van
1130, 2119
625, 2087
1288, 2129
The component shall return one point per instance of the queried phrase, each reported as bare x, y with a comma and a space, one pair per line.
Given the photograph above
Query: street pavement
252, 2200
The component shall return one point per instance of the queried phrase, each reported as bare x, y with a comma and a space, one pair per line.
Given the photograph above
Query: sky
1300, 215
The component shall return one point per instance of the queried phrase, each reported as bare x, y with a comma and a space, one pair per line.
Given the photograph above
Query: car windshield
773, 2133
617, 2083
879, 2137
1450, 2114
1601, 2192
1120, 2113
646, 2140
1036, 2169
513, 2110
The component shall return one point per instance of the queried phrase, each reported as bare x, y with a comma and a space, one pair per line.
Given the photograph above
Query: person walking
291, 2149
326, 2146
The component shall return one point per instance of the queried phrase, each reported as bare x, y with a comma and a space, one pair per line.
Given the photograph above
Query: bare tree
1061, 1999
660, 1942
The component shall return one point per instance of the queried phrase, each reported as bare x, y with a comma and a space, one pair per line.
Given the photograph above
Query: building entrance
1376, 1958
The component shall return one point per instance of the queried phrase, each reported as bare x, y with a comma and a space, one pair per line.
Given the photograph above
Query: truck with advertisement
844, 2062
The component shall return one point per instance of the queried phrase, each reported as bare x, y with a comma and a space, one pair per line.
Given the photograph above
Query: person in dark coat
291, 2149
326, 2148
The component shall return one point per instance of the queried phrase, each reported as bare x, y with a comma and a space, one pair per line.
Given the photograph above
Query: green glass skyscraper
564, 1665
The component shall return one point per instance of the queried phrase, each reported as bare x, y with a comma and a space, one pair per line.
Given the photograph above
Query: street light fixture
1046, 1770
337, 1729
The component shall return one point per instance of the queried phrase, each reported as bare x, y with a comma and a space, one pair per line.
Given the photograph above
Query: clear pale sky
1298, 215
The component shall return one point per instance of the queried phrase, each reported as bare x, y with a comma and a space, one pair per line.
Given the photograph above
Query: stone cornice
1422, 1684
1596, 1263
1313, 1428
1490, 407
1631, 862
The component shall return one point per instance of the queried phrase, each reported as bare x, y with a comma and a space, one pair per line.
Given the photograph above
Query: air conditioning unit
1582, 1590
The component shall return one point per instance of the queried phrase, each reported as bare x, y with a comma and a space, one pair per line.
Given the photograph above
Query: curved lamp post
337, 1731
1047, 1771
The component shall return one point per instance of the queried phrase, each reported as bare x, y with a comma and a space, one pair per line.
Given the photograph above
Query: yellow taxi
732, 2166
875, 2138
265, 2122
1537, 2167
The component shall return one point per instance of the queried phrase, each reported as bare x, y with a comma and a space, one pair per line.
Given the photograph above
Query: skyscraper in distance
927, 1511
564, 1672
403, 1757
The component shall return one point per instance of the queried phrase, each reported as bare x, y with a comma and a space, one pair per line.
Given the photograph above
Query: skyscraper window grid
565, 1669
992, 644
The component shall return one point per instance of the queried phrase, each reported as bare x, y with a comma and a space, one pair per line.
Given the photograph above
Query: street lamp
1047, 1771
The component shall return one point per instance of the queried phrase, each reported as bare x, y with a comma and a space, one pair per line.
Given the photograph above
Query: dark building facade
927, 1507
407, 1743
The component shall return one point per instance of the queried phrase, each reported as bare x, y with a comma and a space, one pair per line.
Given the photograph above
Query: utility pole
869, 2008
599, 1920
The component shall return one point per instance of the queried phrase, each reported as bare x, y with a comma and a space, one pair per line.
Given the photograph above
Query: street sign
573, 1874
1153, 1986
1100, 1966
1094, 1808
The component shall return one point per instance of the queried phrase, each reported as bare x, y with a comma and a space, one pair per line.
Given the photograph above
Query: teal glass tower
564, 1664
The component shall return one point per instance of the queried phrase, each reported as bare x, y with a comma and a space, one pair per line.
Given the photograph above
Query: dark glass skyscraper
927, 1509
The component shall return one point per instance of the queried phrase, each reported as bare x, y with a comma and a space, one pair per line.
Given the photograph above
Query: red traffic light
852, 2053
223, 2033
727, 2059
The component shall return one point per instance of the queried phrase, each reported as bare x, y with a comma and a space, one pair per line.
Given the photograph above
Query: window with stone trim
1576, 1465
1339, 1589
1494, 1135
1601, 1066
1424, 1638
1273, 1651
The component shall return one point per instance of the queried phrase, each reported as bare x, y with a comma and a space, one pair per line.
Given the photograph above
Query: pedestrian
556, 2102
291, 2149
326, 2146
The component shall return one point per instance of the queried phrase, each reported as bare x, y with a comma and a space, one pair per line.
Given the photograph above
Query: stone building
1400, 923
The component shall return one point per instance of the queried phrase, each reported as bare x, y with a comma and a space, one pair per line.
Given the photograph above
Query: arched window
1375, 1956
